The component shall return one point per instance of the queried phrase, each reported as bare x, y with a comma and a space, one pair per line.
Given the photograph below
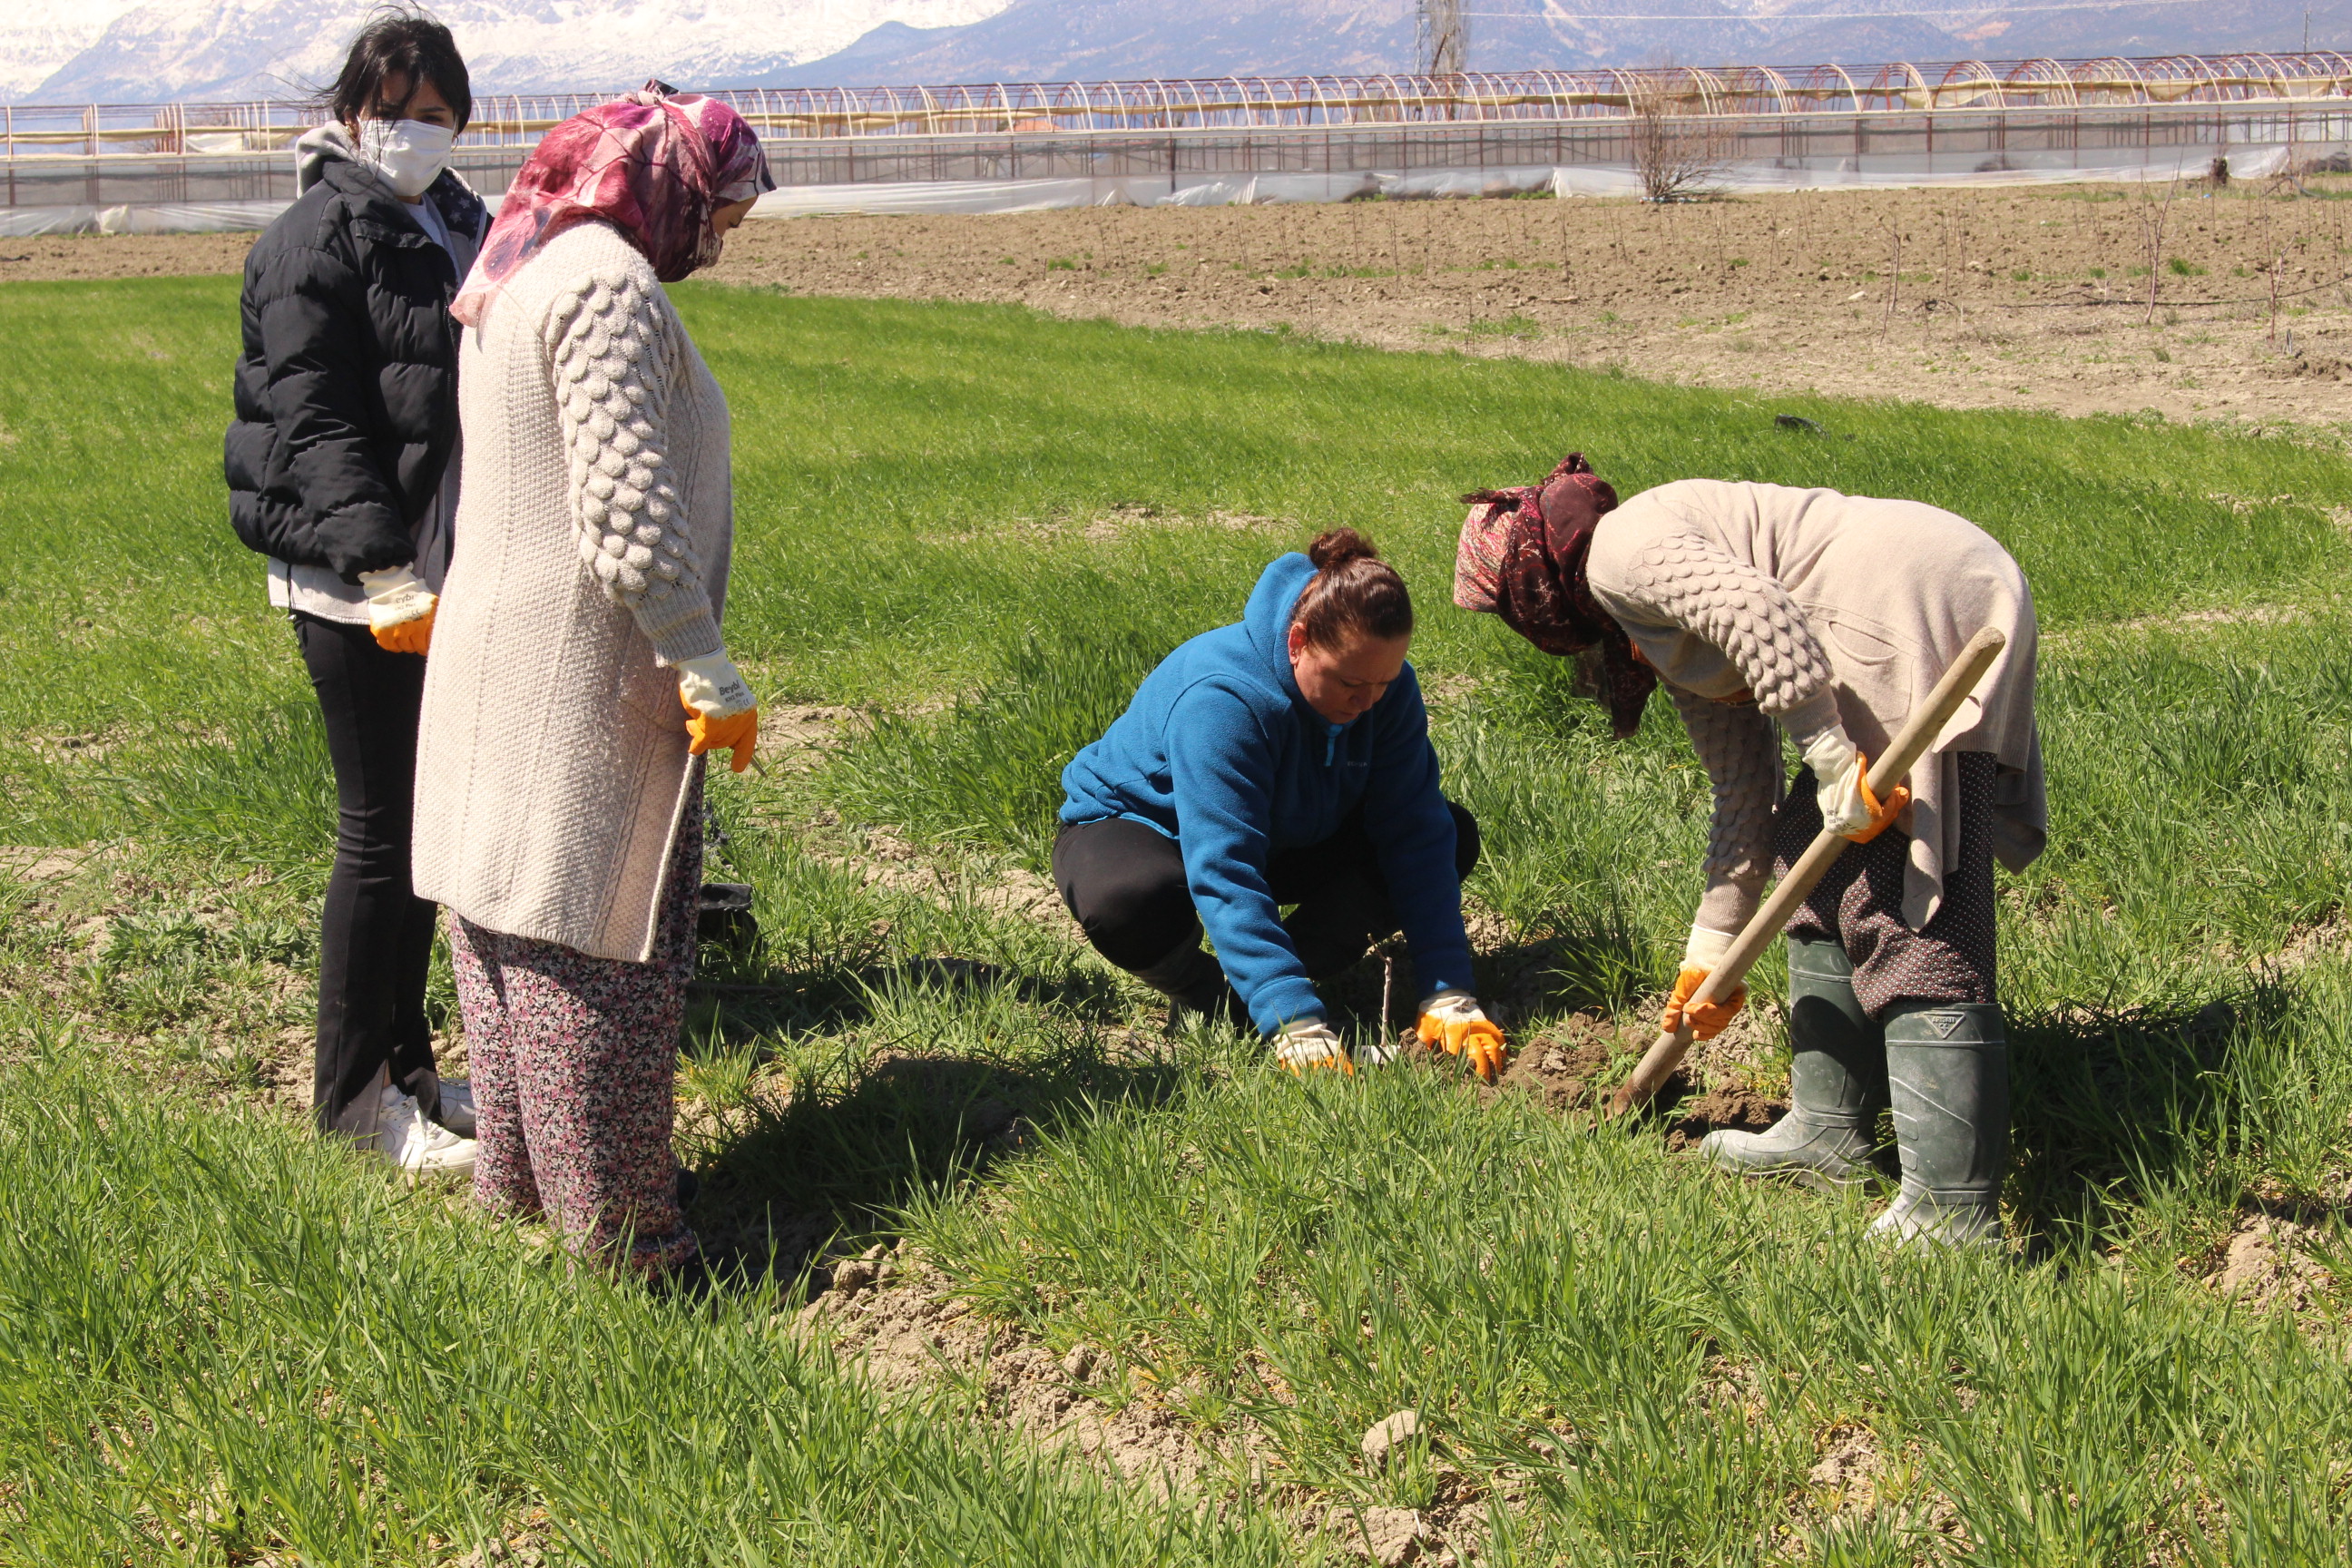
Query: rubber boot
1194, 982
1947, 1074
1836, 1077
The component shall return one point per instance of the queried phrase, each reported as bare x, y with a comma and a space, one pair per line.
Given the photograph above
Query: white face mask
407, 154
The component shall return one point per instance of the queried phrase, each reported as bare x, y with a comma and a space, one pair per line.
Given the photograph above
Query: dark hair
1353, 590
402, 43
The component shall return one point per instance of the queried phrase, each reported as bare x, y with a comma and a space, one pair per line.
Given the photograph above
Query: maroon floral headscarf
1522, 558
654, 164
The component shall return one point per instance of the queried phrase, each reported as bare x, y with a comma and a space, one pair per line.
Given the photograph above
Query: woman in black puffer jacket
341, 468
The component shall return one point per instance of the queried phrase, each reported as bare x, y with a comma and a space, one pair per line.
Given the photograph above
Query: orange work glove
1704, 950
1455, 1020
1881, 813
720, 714
400, 610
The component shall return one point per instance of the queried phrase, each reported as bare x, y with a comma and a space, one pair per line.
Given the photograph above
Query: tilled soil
2026, 299
2001, 301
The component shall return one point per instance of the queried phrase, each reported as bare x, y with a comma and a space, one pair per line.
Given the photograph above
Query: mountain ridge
70, 51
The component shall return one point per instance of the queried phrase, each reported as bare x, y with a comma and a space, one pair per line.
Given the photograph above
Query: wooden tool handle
1910, 742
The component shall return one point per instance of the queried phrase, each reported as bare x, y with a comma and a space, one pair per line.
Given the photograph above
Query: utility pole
1444, 37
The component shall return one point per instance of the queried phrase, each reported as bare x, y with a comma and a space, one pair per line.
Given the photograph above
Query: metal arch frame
1246, 103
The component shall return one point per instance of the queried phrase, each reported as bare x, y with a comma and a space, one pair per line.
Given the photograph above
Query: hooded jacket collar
1267, 621
1266, 618
324, 156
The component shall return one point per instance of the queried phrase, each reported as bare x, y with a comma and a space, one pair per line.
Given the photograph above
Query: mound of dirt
2266, 1264
1577, 1065
1740, 1109
1565, 1070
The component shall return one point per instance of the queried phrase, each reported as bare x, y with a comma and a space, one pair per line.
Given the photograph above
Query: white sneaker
409, 1140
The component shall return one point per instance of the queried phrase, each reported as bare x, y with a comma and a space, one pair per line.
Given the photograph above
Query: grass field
221, 1342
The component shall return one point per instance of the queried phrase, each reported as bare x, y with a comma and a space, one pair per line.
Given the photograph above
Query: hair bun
1337, 546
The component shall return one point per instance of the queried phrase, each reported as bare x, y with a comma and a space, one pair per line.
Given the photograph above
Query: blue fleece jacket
1220, 752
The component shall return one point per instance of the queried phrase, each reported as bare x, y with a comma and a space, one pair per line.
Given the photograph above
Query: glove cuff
1453, 1004
1827, 751
713, 687
1705, 947
395, 596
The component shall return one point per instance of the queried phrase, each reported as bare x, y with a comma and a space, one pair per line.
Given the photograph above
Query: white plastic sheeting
1867, 169
1184, 190
184, 217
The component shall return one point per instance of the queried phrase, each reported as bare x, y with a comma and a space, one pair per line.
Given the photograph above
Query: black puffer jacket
347, 388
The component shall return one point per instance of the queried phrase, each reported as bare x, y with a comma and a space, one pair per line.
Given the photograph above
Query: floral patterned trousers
575, 1061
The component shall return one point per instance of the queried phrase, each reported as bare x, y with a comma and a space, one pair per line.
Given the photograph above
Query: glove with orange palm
721, 714
1700, 955
1454, 1019
1842, 788
400, 609
1309, 1044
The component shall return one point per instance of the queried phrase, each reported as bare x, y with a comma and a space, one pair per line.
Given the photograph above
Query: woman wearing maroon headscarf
577, 670
1829, 617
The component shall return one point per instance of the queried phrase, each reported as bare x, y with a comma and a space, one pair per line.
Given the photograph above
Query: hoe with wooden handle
1909, 744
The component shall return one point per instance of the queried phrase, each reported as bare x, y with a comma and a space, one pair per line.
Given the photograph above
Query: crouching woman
1282, 761
1830, 616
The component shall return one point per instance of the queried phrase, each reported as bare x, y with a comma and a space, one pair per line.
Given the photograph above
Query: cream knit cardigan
1825, 608
592, 536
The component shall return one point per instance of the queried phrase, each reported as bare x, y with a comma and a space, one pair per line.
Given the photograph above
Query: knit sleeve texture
618, 360
1737, 745
1688, 581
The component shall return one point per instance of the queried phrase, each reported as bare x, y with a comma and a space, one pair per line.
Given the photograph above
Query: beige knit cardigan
592, 538
1825, 607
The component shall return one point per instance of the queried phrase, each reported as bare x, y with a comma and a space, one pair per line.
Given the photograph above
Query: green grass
985, 524
219, 1338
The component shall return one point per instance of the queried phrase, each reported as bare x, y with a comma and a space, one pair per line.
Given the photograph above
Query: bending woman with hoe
1830, 616
1282, 761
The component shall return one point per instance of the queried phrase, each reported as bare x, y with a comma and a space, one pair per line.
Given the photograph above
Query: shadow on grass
844, 1146
2112, 1109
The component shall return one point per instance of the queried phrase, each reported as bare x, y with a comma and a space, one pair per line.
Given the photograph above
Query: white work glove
400, 609
1454, 1020
1305, 1044
713, 687
1848, 808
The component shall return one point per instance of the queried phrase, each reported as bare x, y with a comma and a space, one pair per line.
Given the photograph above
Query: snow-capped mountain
70, 51
38, 36
217, 49
1031, 40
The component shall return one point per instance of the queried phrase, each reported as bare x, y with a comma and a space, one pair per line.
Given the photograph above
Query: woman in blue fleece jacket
1282, 761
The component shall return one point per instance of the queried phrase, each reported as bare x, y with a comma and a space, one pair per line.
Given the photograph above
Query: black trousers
376, 940
1124, 884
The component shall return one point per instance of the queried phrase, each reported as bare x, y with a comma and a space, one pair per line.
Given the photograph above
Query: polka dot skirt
1859, 905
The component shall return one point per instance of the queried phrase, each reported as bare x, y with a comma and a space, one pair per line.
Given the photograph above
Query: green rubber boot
1836, 1079
1947, 1073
